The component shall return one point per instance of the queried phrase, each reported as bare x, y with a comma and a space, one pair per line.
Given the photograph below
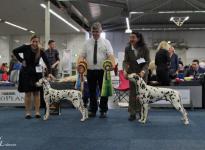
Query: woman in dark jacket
136, 60
30, 73
162, 61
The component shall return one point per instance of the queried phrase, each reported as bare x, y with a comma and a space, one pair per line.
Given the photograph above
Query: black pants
163, 76
95, 80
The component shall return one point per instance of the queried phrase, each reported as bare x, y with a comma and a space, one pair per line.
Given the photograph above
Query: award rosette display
107, 89
81, 68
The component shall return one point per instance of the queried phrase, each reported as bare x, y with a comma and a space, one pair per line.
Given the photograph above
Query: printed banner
11, 97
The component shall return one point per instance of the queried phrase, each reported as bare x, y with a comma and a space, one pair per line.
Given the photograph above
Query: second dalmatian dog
149, 94
52, 95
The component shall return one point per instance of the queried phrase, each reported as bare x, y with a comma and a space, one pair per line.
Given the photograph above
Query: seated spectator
5, 76
4, 67
4, 71
152, 75
194, 69
181, 67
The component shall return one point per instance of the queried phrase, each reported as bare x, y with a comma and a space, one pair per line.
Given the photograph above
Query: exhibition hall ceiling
30, 15
140, 14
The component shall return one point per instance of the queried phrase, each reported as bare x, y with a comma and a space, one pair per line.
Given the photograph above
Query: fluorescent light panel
136, 12
128, 23
61, 18
159, 29
186, 11
171, 12
128, 30
32, 32
17, 26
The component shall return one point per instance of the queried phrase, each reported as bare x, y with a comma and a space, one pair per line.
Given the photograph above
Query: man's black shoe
132, 118
103, 115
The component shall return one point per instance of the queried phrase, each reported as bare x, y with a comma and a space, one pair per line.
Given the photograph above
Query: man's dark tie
95, 53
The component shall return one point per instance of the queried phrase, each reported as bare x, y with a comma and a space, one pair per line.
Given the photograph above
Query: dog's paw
82, 120
142, 121
45, 117
186, 122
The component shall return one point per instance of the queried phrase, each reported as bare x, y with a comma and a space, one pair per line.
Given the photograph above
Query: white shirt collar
97, 39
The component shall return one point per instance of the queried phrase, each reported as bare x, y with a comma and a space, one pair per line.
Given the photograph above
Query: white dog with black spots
52, 95
149, 94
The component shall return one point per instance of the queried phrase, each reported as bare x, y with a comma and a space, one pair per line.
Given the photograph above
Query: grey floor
163, 131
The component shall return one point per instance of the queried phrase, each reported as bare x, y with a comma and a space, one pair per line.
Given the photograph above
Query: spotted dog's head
43, 81
133, 77
136, 79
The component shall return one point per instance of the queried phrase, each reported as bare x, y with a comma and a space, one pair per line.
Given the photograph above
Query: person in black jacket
30, 73
53, 57
136, 60
162, 61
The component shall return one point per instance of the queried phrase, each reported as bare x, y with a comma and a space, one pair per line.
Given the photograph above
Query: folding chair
122, 90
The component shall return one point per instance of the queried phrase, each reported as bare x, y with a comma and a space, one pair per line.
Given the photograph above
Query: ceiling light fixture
136, 12
128, 30
17, 26
32, 32
179, 21
167, 29
181, 12
61, 18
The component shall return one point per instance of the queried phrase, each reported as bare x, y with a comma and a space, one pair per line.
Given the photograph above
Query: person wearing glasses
136, 60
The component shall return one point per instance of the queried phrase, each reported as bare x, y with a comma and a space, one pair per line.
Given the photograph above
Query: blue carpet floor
163, 131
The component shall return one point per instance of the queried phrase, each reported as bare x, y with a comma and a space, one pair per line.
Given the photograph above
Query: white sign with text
11, 97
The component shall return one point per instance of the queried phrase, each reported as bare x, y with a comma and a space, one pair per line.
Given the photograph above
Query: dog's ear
136, 77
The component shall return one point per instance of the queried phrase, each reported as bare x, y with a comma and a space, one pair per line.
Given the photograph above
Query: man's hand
51, 77
53, 66
142, 73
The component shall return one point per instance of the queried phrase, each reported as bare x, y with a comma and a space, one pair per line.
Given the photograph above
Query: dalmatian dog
52, 95
149, 94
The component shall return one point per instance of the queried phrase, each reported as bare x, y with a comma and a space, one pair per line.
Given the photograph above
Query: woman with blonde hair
30, 73
162, 62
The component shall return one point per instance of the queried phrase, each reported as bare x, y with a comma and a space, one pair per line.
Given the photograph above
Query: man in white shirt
95, 51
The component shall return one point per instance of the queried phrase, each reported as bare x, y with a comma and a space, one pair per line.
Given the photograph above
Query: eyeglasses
95, 31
